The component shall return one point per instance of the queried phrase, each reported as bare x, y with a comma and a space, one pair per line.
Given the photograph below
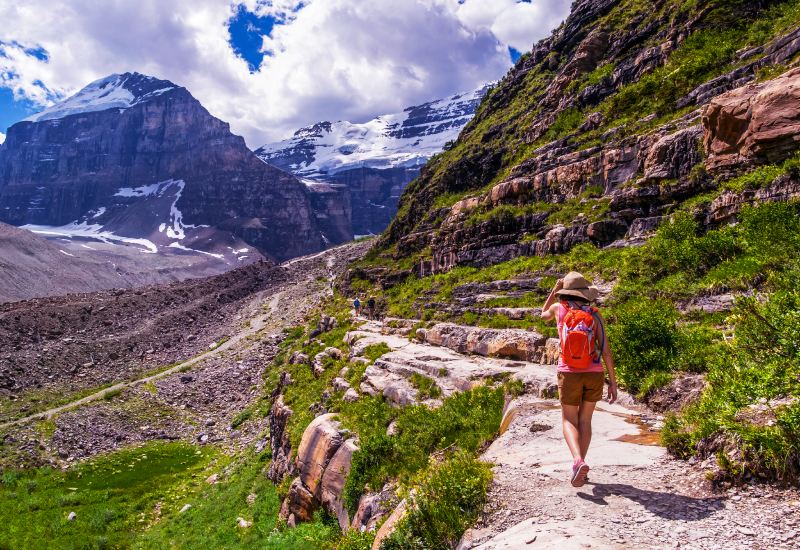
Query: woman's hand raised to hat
559, 285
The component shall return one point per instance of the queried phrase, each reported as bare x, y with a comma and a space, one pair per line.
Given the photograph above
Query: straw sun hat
576, 284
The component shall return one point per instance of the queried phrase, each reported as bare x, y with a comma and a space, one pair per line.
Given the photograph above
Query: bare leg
570, 423
585, 426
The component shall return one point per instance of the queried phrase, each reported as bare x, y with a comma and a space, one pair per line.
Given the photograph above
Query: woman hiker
583, 340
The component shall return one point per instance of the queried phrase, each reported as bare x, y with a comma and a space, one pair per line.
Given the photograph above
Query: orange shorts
576, 387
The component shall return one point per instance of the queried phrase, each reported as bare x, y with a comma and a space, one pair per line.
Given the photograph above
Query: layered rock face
554, 159
377, 159
141, 158
754, 124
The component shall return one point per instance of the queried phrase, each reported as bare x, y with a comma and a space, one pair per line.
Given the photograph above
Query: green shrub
426, 387
447, 498
644, 339
356, 540
464, 421
374, 351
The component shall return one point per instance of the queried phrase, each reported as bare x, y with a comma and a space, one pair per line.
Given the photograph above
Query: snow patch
93, 231
179, 246
174, 228
103, 94
65, 253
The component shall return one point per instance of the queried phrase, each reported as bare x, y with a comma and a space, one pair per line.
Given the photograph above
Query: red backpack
579, 332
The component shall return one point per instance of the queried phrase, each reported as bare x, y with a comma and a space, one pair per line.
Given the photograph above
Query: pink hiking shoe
580, 473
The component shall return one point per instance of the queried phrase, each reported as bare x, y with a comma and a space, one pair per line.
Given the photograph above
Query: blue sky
269, 67
13, 111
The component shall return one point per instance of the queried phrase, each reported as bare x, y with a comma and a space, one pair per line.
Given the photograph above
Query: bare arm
608, 359
550, 305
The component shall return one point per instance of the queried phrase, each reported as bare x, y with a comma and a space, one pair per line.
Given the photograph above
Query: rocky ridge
616, 188
373, 161
134, 159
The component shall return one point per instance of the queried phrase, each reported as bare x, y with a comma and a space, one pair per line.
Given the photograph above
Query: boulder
300, 502
350, 396
552, 351
299, 358
333, 482
503, 343
390, 524
340, 384
372, 508
281, 464
319, 443
754, 124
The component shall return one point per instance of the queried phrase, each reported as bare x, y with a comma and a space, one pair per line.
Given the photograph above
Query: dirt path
256, 325
285, 305
637, 497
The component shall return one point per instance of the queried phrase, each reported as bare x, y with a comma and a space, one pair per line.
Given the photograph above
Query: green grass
464, 421
110, 495
212, 520
132, 499
447, 498
426, 387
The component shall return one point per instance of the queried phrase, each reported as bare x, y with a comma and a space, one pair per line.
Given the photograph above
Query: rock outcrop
281, 464
521, 345
322, 463
754, 124
554, 159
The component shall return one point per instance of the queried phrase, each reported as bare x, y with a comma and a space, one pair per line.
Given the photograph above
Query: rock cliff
134, 157
603, 130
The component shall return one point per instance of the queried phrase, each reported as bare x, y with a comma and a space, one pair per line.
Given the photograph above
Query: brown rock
390, 524
754, 124
320, 441
300, 502
281, 464
333, 482
504, 343
673, 155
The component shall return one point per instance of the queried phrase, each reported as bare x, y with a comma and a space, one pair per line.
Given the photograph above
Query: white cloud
2, 138
332, 59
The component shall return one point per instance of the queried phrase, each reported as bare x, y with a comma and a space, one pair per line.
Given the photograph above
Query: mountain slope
375, 160
606, 109
33, 266
134, 157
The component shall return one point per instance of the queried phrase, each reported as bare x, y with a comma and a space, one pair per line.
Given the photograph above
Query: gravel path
637, 496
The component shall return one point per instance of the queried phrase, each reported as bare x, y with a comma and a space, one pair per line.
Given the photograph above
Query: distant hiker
582, 335
357, 306
371, 308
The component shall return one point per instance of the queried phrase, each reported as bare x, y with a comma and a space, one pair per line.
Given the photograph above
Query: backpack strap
599, 321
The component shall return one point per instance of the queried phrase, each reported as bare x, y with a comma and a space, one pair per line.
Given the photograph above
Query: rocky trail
195, 399
637, 495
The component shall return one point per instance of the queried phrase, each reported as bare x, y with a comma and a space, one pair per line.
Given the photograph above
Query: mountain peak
115, 91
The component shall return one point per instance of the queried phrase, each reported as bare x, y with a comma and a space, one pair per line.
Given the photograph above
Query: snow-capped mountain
400, 140
116, 91
374, 159
137, 161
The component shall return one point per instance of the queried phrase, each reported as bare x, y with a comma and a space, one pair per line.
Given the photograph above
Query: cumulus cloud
325, 59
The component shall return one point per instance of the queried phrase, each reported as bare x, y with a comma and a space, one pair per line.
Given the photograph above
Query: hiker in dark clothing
371, 308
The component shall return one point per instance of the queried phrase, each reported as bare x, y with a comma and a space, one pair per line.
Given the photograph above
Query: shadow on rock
665, 505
